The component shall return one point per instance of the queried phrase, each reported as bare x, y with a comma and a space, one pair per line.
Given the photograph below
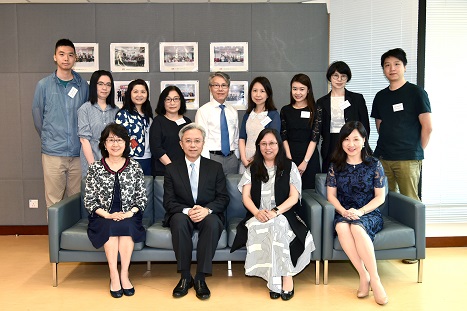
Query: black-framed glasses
175, 100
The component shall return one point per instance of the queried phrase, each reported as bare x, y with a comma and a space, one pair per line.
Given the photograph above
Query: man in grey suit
195, 197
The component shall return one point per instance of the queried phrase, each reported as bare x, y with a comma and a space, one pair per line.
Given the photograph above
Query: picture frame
228, 56
178, 56
87, 57
238, 95
129, 57
190, 90
120, 91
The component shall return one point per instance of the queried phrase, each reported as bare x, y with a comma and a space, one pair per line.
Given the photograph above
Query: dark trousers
210, 230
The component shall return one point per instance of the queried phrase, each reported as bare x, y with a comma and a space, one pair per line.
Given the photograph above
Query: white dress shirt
208, 116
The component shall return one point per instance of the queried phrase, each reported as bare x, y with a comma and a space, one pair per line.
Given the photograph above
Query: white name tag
344, 105
305, 115
398, 107
73, 92
265, 121
180, 121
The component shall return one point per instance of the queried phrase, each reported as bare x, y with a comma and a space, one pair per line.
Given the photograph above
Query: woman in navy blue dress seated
355, 186
115, 197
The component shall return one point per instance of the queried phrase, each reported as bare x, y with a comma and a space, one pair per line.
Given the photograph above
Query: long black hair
269, 104
110, 100
310, 99
257, 165
339, 156
129, 106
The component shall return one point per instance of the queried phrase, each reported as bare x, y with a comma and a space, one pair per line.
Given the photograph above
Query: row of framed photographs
238, 92
174, 57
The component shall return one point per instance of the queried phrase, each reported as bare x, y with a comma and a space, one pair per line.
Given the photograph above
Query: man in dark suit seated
195, 197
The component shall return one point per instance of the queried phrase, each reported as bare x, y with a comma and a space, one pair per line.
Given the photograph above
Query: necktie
194, 181
225, 144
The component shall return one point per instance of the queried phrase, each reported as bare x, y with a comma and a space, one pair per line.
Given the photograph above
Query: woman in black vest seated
278, 241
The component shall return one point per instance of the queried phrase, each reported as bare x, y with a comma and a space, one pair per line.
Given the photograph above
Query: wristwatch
306, 160
275, 209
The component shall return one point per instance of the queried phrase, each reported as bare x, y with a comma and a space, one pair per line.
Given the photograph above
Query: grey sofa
402, 237
68, 240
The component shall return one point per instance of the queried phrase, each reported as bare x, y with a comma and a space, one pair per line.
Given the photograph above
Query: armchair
402, 237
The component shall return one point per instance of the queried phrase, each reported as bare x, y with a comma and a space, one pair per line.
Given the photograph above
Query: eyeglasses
270, 144
175, 100
108, 84
219, 86
196, 141
337, 76
112, 141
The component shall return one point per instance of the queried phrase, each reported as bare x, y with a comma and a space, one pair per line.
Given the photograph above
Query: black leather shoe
274, 295
117, 293
129, 292
287, 295
202, 290
182, 287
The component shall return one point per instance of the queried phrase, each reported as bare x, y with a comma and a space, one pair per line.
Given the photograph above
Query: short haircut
128, 104
119, 131
397, 53
192, 126
64, 42
221, 74
160, 109
341, 68
110, 100
269, 104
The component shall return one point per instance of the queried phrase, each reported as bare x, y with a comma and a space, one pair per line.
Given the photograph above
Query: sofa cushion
76, 238
158, 236
394, 235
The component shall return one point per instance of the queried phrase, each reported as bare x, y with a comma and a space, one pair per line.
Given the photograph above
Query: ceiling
162, 1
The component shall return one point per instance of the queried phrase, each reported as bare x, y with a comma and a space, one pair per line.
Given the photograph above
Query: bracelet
306, 160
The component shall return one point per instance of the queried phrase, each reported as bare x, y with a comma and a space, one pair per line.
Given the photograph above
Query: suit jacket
356, 112
212, 190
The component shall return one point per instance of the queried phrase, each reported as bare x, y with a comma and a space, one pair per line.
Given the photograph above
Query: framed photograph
120, 91
87, 57
190, 90
229, 56
238, 95
178, 56
129, 57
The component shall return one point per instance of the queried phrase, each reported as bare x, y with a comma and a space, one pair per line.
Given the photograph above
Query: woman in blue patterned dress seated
278, 242
355, 186
115, 197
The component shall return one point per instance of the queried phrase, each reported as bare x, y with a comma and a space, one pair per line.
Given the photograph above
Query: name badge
345, 105
180, 121
398, 107
265, 121
305, 115
73, 92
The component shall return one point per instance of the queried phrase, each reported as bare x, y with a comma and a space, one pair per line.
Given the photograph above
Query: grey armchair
402, 237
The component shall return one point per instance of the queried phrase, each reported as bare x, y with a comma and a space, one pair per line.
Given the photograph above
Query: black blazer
212, 190
356, 112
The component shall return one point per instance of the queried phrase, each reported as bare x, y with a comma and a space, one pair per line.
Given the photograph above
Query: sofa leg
229, 268
317, 272
54, 274
420, 270
325, 272
148, 265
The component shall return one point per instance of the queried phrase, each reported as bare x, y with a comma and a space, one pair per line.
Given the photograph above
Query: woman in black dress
115, 197
355, 186
300, 129
163, 136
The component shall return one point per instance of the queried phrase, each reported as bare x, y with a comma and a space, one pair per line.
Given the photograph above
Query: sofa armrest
328, 229
411, 213
311, 212
61, 216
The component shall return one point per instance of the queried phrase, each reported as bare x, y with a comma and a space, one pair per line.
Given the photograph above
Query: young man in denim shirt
54, 110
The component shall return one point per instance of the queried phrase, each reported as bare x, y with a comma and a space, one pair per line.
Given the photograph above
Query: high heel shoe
382, 300
129, 291
363, 294
117, 293
378, 288
287, 295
